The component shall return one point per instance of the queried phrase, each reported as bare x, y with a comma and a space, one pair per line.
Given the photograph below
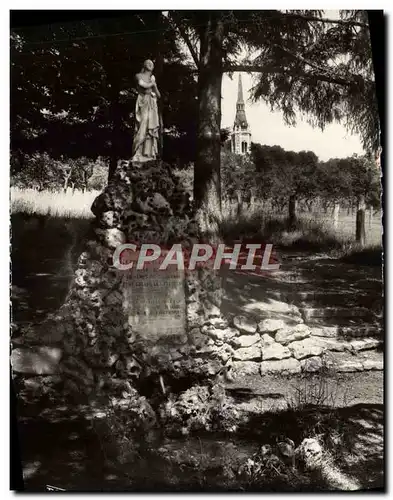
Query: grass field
54, 204
77, 205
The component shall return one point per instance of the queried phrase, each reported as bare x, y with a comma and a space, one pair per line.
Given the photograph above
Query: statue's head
148, 65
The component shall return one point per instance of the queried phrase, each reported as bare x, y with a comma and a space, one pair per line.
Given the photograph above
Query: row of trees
287, 178
72, 84
42, 172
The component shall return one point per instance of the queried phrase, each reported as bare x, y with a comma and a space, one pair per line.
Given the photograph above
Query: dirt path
271, 393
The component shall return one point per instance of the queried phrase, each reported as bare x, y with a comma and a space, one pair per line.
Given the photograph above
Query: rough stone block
272, 308
197, 338
36, 360
245, 340
248, 353
325, 331
230, 333
287, 335
270, 325
283, 366
330, 344
372, 360
108, 219
242, 368
244, 324
214, 333
266, 340
220, 323
275, 351
112, 237
363, 344
305, 348
195, 315
344, 362
212, 311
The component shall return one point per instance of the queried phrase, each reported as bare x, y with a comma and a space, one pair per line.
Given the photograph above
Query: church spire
240, 118
240, 99
241, 133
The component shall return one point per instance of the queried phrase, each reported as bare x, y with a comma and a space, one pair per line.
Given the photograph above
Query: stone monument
123, 327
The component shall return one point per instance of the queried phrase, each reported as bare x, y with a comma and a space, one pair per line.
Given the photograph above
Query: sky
268, 127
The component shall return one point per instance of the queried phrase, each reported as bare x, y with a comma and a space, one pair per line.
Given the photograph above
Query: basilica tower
241, 134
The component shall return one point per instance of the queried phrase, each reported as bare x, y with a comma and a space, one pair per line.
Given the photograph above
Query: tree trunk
292, 211
116, 121
86, 174
207, 178
361, 222
336, 213
158, 72
112, 165
67, 175
114, 154
239, 211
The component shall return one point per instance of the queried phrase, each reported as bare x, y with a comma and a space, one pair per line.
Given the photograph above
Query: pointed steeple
241, 133
240, 118
240, 99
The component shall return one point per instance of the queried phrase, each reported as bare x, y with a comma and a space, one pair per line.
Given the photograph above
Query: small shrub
201, 408
323, 388
125, 431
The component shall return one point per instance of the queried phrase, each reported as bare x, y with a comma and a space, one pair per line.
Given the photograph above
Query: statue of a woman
147, 121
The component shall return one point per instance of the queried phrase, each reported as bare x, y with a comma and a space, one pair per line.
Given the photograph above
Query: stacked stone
144, 203
277, 341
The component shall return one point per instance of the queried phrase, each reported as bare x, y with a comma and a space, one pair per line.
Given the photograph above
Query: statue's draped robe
147, 128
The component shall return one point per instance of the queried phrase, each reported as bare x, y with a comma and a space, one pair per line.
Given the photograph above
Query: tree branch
301, 59
323, 77
343, 22
186, 38
251, 68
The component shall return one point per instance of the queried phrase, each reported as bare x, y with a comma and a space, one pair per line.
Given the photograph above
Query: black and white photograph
197, 250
